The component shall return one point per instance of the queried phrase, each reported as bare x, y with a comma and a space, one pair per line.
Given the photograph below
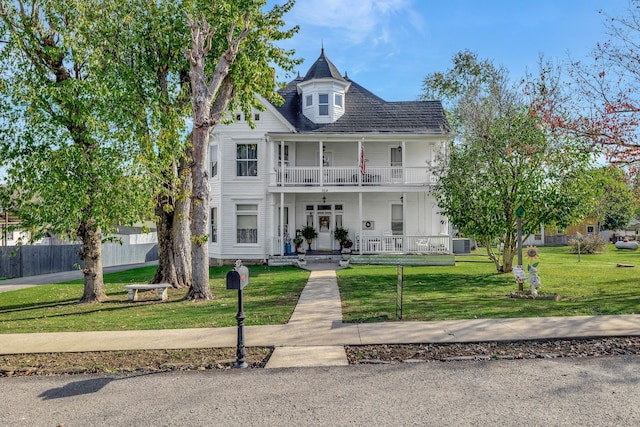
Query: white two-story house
333, 155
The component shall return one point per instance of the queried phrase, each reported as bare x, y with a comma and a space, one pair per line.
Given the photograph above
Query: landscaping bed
146, 361
532, 349
132, 361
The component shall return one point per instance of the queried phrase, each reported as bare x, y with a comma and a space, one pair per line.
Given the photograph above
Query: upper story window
247, 160
286, 155
309, 101
214, 161
323, 104
338, 100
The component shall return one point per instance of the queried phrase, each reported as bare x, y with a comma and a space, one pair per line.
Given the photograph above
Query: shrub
591, 244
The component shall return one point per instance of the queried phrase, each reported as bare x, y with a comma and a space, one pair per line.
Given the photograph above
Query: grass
593, 286
269, 298
471, 290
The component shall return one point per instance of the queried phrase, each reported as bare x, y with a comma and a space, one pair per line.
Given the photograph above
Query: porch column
404, 215
404, 167
361, 159
321, 161
281, 164
282, 224
360, 221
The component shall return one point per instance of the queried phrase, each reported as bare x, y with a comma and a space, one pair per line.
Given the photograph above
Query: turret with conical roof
323, 69
323, 91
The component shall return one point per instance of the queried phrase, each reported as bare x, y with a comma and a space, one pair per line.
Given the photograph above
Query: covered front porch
375, 222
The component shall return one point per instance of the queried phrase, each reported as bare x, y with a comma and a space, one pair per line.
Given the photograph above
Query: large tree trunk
210, 98
174, 244
174, 250
200, 217
91, 253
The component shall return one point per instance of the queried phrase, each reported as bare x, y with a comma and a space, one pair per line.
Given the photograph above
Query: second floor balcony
352, 176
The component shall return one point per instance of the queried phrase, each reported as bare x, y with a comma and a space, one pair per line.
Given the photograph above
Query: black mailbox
238, 278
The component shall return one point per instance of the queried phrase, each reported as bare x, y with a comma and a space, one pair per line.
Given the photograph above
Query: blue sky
389, 46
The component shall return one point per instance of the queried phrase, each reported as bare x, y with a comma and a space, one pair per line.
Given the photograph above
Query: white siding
229, 189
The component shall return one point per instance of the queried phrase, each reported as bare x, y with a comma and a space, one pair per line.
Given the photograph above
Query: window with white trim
214, 160
286, 155
309, 100
247, 160
323, 104
214, 225
338, 99
397, 224
247, 223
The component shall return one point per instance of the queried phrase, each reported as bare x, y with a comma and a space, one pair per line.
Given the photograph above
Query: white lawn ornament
534, 279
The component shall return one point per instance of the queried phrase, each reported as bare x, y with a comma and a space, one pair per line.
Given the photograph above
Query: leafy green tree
503, 158
70, 166
148, 56
614, 200
231, 57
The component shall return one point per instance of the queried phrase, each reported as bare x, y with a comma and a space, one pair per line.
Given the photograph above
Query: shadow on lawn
38, 305
110, 305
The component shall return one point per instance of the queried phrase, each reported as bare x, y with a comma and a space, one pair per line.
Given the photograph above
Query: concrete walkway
315, 334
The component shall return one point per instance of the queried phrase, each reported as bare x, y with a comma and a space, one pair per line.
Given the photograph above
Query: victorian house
333, 155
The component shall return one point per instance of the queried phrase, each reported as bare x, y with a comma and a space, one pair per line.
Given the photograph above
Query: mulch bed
532, 349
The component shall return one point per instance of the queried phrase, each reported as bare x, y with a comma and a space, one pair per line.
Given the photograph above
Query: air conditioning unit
368, 225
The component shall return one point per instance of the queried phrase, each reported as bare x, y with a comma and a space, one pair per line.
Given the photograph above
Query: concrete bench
160, 287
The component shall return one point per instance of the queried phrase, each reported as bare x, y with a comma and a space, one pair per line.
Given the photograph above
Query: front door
325, 238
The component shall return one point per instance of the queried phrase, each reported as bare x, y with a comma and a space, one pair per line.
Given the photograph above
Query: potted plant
298, 241
301, 253
341, 235
346, 249
309, 233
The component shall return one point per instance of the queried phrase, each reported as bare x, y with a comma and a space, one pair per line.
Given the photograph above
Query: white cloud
357, 21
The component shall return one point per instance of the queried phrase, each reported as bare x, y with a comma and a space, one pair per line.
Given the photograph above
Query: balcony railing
352, 176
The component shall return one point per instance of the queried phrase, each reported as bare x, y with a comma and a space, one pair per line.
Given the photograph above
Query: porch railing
385, 244
352, 176
402, 244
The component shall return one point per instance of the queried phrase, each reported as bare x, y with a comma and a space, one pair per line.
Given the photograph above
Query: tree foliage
503, 157
148, 56
614, 200
602, 104
70, 165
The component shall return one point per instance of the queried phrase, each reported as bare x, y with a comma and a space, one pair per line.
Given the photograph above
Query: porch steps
277, 261
420, 260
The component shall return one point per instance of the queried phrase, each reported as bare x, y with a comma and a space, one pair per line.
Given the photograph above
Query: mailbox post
238, 278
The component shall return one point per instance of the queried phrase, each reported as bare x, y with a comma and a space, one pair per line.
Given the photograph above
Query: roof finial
322, 47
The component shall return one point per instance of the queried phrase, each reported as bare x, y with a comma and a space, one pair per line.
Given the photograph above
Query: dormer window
338, 100
309, 101
323, 104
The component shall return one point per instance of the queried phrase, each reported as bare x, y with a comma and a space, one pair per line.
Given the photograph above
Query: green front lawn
593, 286
269, 298
469, 290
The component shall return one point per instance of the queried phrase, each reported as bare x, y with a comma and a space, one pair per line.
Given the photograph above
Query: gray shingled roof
364, 111
323, 68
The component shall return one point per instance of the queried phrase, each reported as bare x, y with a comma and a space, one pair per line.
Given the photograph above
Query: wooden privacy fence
30, 260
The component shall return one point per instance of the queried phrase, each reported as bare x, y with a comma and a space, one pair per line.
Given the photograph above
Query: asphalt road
558, 392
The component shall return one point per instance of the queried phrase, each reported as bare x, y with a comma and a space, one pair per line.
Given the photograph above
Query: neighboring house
333, 155
136, 235
551, 236
9, 234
